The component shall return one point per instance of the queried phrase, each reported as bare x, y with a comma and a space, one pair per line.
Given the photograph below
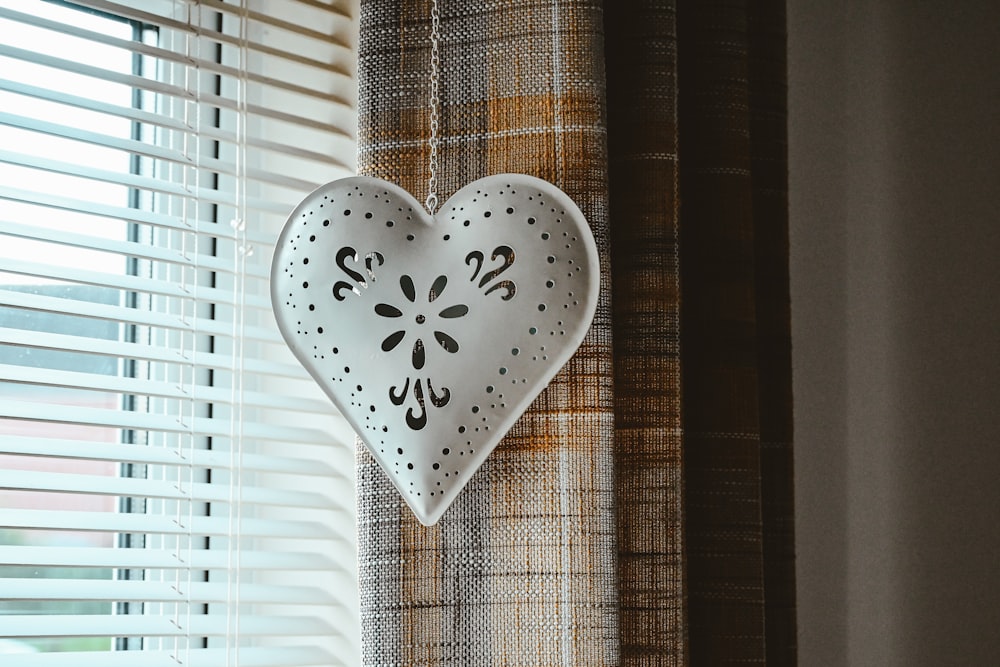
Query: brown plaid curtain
640, 513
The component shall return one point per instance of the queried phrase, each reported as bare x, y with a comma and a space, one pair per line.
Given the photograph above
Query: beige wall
895, 182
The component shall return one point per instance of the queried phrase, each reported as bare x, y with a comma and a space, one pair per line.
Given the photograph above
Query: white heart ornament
433, 334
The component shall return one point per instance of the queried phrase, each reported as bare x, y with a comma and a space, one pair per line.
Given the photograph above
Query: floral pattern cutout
418, 354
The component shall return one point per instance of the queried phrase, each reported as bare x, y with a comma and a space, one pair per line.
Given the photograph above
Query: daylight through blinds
173, 487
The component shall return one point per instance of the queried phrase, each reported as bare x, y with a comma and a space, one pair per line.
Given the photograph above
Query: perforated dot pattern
433, 335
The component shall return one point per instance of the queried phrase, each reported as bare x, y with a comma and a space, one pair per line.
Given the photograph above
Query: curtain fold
640, 512
522, 569
641, 44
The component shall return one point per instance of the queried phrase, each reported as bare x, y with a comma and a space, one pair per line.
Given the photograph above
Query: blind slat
134, 147
39, 625
159, 559
269, 20
204, 426
163, 54
145, 183
145, 84
92, 104
138, 284
153, 524
119, 9
95, 138
124, 315
199, 394
296, 656
207, 228
167, 122
154, 86
168, 456
125, 248
95, 590
122, 350
98, 73
104, 485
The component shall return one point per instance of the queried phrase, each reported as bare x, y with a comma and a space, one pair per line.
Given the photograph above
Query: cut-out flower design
421, 319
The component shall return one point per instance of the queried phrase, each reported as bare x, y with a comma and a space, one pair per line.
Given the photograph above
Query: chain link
432, 199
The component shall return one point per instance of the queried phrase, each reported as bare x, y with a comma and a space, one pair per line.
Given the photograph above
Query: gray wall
895, 180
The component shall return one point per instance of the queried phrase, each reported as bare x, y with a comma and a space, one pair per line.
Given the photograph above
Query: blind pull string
243, 252
434, 102
192, 144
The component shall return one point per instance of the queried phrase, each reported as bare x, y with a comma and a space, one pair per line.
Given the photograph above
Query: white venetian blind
174, 490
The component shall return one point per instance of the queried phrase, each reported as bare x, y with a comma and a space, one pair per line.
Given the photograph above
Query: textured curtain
640, 513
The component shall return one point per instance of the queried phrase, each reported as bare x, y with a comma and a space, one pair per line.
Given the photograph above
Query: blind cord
243, 252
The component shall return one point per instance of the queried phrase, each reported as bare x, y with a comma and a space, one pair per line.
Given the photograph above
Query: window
173, 487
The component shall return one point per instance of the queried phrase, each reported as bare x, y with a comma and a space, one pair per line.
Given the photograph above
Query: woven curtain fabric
521, 570
735, 341
644, 180
641, 511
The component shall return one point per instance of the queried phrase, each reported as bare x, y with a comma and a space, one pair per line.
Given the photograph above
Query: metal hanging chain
432, 199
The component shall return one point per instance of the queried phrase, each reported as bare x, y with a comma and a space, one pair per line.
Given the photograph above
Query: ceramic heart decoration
433, 334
